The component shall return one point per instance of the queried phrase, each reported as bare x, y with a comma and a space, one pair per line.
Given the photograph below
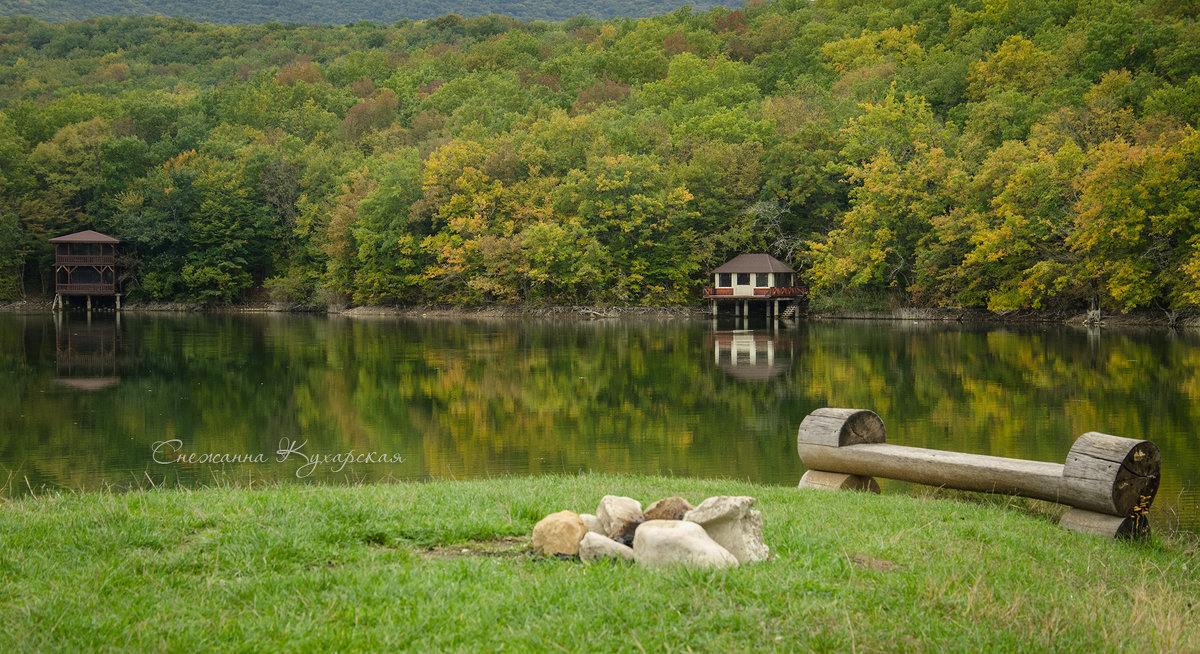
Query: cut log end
1110, 474
838, 481
1133, 527
840, 427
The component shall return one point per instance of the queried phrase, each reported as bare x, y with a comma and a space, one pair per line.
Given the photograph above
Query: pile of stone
722, 532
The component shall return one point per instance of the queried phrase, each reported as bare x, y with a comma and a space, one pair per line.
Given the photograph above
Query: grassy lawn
445, 566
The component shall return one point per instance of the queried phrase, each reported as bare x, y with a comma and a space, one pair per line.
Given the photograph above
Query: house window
764, 280
743, 279
724, 280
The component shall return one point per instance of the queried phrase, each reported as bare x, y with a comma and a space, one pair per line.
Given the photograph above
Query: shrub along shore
446, 566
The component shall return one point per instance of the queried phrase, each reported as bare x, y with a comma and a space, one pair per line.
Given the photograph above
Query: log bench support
1109, 481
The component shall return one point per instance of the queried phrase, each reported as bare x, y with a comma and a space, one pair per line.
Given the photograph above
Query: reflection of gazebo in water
750, 356
85, 263
85, 354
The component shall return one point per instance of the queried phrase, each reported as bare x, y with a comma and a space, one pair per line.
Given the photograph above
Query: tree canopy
987, 153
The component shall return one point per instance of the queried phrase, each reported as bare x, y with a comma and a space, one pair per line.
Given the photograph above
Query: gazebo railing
86, 289
85, 260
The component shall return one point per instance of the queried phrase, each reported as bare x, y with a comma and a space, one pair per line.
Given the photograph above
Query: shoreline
974, 316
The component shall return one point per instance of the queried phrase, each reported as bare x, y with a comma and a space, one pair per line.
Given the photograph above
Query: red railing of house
766, 293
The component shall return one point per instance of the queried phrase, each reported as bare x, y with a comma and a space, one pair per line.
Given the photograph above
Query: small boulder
594, 547
559, 533
619, 517
593, 523
731, 522
659, 543
668, 508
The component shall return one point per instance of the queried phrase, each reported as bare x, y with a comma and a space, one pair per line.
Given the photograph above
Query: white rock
592, 523
721, 507
659, 543
731, 522
619, 517
594, 547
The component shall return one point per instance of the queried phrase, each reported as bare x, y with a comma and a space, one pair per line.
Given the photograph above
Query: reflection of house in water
751, 356
85, 353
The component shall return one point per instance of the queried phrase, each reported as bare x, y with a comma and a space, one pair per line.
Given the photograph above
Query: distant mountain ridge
339, 12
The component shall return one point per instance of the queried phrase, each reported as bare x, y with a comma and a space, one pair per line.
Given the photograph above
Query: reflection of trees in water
564, 398
454, 399
479, 398
1018, 393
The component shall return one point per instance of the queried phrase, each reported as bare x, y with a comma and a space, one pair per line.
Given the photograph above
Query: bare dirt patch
508, 547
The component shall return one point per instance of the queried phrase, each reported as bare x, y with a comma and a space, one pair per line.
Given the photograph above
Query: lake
142, 400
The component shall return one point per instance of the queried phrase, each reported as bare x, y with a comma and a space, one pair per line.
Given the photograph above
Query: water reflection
85, 351
751, 356
478, 398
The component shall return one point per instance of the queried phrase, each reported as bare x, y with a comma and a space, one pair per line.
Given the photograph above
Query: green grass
382, 568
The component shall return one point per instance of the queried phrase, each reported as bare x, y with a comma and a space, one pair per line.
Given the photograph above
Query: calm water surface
170, 400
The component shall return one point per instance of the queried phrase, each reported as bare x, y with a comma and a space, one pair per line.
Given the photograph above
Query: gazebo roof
754, 263
86, 236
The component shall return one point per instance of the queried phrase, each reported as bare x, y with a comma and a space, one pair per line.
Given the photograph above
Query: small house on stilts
85, 263
756, 280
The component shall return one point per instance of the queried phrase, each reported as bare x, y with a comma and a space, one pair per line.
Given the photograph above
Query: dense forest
998, 153
338, 12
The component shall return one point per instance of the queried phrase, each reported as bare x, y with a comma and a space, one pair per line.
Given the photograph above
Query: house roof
754, 263
86, 236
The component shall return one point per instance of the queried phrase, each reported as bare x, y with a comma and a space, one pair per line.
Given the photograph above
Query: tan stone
559, 533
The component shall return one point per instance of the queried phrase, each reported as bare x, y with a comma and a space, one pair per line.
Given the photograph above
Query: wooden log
1107, 474
1134, 527
1110, 474
971, 472
841, 427
838, 481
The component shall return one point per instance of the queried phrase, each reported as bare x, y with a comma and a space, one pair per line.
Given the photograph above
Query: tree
643, 221
1137, 232
230, 230
1019, 256
900, 181
389, 258
153, 219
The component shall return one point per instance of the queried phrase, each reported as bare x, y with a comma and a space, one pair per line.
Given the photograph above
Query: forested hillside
1004, 153
339, 12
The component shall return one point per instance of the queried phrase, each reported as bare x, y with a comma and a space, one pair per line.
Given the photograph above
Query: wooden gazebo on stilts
85, 263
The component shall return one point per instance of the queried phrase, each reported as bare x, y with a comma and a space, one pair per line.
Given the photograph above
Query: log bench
1109, 481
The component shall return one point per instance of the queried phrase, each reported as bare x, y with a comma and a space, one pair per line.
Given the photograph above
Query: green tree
900, 179
389, 257
1137, 232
